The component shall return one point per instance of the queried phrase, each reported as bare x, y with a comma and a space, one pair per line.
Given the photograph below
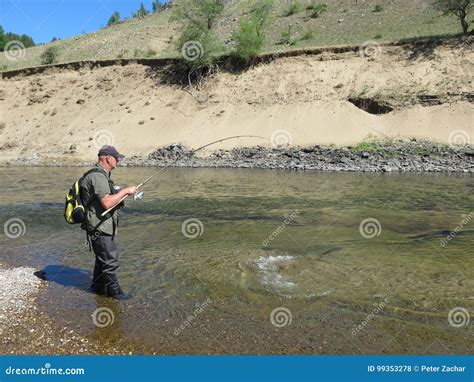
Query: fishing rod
139, 195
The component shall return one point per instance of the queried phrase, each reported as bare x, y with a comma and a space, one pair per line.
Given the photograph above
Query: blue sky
45, 19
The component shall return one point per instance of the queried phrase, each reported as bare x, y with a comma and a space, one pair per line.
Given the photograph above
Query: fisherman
99, 194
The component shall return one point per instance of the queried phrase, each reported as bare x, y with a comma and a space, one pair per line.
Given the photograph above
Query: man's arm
110, 200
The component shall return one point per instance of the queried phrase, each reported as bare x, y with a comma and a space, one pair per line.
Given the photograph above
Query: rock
80, 102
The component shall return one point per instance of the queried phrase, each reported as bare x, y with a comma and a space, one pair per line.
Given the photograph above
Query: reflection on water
251, 241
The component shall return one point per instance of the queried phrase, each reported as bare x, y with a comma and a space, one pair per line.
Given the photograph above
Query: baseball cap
110, 150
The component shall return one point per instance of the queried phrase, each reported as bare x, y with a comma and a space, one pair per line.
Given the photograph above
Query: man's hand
111, 200
131, 190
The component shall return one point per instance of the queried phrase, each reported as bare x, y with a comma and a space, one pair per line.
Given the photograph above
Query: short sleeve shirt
93, 188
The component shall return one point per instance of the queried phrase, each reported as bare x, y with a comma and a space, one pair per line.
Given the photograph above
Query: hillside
421, 91
346, 22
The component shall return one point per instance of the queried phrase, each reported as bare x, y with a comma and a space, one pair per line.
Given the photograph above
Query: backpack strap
91, 171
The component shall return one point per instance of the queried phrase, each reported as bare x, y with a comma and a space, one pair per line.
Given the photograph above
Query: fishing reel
138, 196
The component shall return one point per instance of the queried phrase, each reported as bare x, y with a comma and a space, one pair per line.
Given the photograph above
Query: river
229, 261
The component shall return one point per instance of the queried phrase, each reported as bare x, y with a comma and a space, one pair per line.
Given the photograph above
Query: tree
2, 38
198, 43
114, 19
156, 6
142, 12
459, 8
251, 35
26, 40
203, 14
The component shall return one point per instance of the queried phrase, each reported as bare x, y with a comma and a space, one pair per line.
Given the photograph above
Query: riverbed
238, 261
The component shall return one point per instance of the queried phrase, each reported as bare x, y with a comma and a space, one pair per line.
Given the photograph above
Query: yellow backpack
75, 208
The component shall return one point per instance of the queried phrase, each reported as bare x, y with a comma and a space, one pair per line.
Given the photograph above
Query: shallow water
259, 241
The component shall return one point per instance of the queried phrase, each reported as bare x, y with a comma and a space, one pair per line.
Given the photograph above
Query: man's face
112, 162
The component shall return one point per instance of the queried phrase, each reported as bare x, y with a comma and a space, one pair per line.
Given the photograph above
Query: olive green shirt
94, 187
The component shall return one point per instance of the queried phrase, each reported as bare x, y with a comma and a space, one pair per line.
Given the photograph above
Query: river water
226, 261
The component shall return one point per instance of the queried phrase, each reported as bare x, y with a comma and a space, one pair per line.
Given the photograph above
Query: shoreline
403, 156
26, 330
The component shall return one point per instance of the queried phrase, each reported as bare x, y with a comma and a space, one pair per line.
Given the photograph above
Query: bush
249, 43
251, 35
114, 19
198, 44
309, 35
379, 8
50, 55
199, 47
318, 9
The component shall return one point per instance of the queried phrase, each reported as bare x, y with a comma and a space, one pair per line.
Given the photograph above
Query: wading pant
106, 264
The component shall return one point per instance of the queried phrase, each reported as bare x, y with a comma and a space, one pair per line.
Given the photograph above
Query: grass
403, 20
367, 146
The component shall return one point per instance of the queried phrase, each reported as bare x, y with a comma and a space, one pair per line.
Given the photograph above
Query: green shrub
198, 44
150, 53
249, 43
317, 9
50, 55
309, 35
251, 34
379, 8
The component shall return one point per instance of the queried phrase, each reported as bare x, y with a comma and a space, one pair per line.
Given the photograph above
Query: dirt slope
67, 114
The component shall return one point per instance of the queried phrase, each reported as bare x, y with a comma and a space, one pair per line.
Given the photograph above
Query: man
98, 194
